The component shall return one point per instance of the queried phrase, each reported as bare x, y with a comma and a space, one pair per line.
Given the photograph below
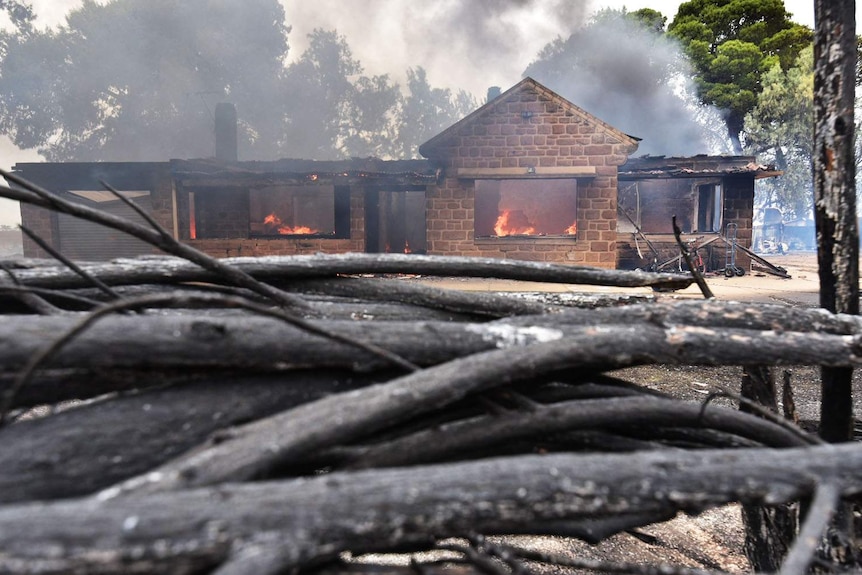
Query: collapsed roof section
339, 172
657, 167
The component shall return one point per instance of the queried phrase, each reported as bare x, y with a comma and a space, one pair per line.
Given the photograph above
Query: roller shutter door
88, 241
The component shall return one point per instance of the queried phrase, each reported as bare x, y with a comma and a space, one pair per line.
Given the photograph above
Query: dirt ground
801, 289
712, 540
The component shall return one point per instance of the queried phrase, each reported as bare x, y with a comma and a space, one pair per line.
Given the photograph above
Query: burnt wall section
243, 245
221, 213
223, 209
528, 132
708, 192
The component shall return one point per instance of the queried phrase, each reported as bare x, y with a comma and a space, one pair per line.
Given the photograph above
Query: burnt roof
646, 167
140, 175
342, 172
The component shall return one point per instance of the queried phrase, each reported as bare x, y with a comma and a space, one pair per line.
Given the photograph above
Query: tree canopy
427, 111
732, 44
779, 129
138, 81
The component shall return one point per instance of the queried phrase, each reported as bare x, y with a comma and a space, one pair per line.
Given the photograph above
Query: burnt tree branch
308, 520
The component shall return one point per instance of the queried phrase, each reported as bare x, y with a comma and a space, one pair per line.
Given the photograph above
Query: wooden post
836, 222
835, 192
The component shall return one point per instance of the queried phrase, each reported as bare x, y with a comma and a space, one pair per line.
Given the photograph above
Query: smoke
462, 44
631, 78
618, 72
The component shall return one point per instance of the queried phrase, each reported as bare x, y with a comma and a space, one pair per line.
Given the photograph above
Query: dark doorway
395, 221
709, 208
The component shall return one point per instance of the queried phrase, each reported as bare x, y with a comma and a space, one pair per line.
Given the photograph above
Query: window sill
541, 240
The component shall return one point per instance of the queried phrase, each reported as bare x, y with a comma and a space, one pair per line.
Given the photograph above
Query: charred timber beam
70, 454
173, 270
253, 449
146, 348
302, 521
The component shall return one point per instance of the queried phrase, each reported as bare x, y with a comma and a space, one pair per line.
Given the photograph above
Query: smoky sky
636, 81
475, 44
462, 44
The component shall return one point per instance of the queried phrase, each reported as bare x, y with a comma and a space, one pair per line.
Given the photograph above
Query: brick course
541, 130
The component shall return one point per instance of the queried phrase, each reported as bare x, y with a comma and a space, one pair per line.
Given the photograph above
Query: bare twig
764, 413
28, 298
60, 295
823, 507
138, 210
39, 196
69, 263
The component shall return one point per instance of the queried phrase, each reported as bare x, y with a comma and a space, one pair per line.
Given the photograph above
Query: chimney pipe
225, 132
493, 92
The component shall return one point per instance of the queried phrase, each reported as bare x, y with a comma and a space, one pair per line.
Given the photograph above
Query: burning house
527, 176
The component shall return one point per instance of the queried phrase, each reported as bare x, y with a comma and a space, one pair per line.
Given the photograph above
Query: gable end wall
530, 129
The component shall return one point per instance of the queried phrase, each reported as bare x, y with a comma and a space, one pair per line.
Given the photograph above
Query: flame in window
513, 223
572, 230
273, 220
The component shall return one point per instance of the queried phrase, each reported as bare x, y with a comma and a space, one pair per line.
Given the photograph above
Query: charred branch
308, 520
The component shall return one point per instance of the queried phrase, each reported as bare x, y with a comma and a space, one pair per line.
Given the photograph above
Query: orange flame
407, 249
274, 220
507, 225
572, 230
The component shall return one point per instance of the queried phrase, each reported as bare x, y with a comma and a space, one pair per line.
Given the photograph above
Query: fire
572, 230
407, 249
513, 223
275, 221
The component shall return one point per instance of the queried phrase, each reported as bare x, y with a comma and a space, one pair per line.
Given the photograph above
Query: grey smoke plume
631, 78
620, 73
462, 44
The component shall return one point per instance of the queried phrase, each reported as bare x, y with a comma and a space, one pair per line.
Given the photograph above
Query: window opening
541, 208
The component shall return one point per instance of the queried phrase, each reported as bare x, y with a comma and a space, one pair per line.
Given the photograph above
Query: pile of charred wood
181, 414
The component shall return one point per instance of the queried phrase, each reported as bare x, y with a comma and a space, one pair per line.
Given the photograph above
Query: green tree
129, 80
427, 111
780, 129
371, 127
332, 110
318, 94
731, 44
137, 81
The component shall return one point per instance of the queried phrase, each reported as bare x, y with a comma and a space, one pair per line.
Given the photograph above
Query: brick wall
161, 201
739, 208
533, 128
